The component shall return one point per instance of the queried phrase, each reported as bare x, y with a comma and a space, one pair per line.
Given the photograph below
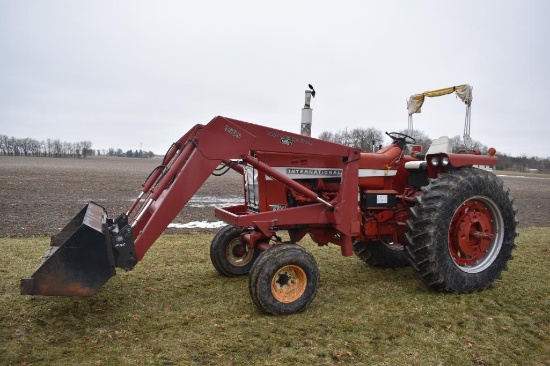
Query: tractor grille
251, 187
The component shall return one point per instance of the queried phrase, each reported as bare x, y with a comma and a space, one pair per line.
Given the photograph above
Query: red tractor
455, 224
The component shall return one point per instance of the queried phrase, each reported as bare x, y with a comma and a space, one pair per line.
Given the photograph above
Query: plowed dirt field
38, 196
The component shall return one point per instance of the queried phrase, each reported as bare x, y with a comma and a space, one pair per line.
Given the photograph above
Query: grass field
174, 309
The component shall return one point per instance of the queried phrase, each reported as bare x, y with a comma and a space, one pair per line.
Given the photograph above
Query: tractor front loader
454, 223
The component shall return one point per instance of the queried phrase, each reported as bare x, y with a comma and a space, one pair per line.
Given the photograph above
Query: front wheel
462, 231
284, 280
229, 254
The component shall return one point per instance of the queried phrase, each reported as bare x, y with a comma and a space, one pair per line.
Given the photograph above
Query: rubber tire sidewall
218, 254
429, 230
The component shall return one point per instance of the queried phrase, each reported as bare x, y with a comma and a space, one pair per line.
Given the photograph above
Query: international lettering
314, 172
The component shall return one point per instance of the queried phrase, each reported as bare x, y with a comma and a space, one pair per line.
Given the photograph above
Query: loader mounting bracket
121, 240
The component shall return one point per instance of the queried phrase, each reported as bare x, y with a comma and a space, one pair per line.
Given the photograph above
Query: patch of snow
198, 225
211, 201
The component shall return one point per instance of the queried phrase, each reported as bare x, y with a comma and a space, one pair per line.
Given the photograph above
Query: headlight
434, 161
445, 161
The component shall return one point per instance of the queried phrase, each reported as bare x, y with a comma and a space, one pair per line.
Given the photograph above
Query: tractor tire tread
429, 225
378, 254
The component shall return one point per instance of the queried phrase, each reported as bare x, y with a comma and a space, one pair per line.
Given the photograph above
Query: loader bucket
79, 260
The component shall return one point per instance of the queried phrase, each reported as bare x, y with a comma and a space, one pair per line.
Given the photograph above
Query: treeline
371, 139
366, 139
522, 163
127, 154
11, 146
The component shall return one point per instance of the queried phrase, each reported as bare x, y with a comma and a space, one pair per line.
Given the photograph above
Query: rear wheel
462, 231
284, 280
381, 254
229, 254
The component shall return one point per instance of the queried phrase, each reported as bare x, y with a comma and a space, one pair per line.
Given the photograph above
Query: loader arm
201, 151
84, 255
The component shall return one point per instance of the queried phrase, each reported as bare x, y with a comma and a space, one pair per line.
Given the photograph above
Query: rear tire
284, 280
462, 231
380, 254
229, 254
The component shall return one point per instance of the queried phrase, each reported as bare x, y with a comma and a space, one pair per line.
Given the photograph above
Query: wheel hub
288, 283
238, 253
472, 234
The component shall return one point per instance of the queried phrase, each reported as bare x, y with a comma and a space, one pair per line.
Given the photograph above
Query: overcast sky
125, 73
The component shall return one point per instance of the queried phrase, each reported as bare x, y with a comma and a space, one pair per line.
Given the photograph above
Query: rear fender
456, 161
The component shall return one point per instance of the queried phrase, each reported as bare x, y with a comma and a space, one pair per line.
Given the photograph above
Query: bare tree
35, 147
327, 136
26, 146
86, 148
358, 137
12, 146
4, 144
68, 149
57, 148
459, 145
366, 139
48, 147
421, 138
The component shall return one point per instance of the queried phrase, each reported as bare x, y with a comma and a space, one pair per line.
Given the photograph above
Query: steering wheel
401, 139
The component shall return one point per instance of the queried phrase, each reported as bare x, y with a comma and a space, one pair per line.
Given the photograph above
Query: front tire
284, 280
229, 254
462, 231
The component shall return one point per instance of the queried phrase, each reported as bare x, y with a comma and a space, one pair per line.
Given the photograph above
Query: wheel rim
238, 253
289, 283
476, 234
